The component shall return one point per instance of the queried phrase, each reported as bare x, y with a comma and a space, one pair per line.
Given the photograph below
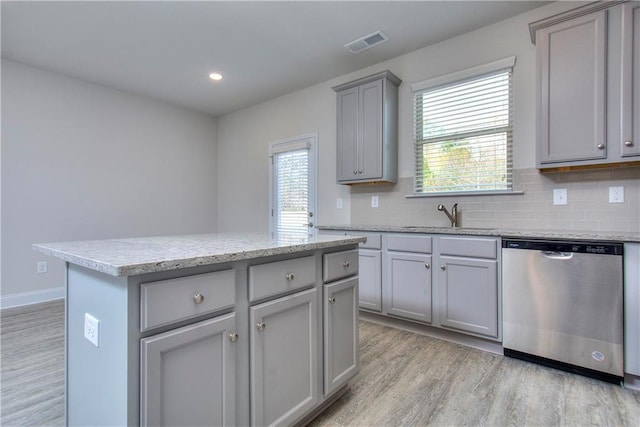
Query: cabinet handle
233, 337
359, 171
346, 264
198, 298
427, 265
443, 267
289, 276
260, 326
332, 300
600, 146
355, 172
628, 143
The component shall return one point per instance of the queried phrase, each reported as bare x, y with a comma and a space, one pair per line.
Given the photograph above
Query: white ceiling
165, 50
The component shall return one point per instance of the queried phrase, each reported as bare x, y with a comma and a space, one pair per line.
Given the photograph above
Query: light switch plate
560, 196
374, 201
616, 194
339, 203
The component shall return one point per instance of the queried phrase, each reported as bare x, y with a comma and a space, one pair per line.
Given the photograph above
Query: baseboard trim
457, 338
33, 297
632, 382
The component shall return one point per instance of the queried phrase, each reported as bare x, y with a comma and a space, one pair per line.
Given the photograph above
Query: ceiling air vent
366, 42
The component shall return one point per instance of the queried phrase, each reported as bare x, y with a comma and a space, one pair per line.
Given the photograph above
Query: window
292, 187
463, 131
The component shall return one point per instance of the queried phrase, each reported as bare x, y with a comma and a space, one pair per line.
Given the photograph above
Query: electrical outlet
560, 196
91, 329
41, 267
339, 203
374, 201
616, 194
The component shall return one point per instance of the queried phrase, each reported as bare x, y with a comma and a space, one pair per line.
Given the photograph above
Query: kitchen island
212, 329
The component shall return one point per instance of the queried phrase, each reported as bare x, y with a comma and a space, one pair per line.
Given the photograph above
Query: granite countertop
127, 257
603, 236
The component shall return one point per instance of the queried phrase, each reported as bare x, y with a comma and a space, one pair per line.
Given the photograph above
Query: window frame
418, 88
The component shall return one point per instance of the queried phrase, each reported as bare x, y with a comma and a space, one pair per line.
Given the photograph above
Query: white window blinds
291, 191
463, 131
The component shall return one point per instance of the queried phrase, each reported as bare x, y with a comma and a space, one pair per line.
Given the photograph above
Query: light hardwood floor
405, 379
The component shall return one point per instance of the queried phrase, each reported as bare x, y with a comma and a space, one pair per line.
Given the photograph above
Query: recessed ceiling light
215, 76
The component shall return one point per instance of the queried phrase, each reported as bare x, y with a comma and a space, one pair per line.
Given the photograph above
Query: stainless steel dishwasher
563, 305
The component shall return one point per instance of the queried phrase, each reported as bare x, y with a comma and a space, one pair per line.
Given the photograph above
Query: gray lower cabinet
469, 295
632, 308
340, 333
284, 358
370, 261
189, 374
409, 285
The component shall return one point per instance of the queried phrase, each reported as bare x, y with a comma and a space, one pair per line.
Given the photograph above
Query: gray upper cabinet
630, 114
587, 73
367, 129
571, 72
189, 374
284, 358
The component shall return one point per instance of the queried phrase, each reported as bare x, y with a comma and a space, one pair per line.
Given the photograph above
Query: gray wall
313, 110
82, 161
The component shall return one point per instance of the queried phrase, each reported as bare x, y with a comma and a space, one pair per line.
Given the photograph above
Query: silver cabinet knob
443, 267
628, 143
198, 298
600, 146
233, 337
310, 224
332, 300
355, 172
346, 264
359, 171
427, 265
289, 276
260, 326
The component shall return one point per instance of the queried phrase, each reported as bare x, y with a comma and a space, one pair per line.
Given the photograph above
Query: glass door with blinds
292, 187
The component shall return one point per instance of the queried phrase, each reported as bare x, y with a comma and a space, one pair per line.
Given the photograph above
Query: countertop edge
623, 237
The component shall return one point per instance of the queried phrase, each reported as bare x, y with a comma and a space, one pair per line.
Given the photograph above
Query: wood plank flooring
405, 379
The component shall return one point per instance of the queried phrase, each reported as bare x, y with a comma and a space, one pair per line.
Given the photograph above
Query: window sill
464, 193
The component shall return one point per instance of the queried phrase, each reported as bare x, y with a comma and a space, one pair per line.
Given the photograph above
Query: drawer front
173, 300
339, 264
409, 243
476, 247
374, 240
278, 277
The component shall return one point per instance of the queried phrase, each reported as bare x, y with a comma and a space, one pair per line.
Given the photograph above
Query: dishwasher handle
557, 255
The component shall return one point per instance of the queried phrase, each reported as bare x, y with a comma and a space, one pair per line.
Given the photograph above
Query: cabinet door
630, 124
187, 375
370, 287
370, 126
284, 358
340, 333
469, 295
572, 92
409, 292
347, 166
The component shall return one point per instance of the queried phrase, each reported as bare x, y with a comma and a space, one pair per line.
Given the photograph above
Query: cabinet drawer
339, 264
374, 240
476, 247
169, 301
275, 278
409, 243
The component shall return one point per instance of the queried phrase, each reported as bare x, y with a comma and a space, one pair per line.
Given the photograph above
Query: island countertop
128, 257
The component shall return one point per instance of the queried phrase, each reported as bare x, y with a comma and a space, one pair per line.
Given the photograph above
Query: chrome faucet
453, 216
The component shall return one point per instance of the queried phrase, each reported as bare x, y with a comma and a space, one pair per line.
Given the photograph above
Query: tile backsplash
587, 208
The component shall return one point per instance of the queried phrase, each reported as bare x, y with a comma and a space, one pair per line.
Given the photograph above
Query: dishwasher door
564, 302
